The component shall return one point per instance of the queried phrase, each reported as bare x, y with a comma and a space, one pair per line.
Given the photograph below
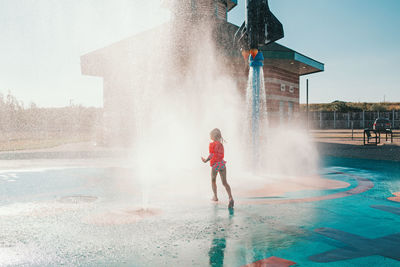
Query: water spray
256, 99
260, 28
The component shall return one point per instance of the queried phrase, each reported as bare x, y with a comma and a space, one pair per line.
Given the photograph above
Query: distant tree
32, 120
339, 106
364, 106
354, 107
342, 106
377, 107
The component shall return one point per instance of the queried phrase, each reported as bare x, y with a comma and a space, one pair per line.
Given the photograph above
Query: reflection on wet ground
92, 217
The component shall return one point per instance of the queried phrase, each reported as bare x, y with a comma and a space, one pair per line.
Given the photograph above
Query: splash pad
155, 209
80, 216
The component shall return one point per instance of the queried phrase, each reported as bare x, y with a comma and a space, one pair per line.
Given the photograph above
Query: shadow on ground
383, 152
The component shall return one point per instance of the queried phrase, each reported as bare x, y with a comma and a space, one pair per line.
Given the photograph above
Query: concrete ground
73, 154
100, 217
80, 216
340, 144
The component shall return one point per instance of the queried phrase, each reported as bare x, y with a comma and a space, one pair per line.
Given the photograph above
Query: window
283, 87
291, 89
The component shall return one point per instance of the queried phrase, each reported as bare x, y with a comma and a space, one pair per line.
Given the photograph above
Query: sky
42, 41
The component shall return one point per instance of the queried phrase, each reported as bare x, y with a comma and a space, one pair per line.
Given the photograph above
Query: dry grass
342, 106
21, 141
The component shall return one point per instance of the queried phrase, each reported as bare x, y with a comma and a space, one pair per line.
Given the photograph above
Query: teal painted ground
41, 226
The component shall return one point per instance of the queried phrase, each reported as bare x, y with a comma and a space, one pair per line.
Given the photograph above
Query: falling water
256, 109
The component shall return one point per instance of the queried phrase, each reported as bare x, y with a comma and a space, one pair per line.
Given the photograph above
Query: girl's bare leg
222, 173
214, 184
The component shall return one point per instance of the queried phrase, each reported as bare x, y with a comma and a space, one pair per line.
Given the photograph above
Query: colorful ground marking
394, 210
271, 262
358, 246
396, 197
363, 185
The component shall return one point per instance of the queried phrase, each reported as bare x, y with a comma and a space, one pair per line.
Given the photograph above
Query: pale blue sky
41, 41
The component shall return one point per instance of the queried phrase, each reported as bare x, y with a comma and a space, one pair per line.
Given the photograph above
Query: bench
390, 133
368, 136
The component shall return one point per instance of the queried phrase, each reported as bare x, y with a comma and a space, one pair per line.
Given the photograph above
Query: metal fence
350, 120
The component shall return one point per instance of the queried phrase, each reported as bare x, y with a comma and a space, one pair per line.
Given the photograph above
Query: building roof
98, 62
103, 60
132, 49
285, 58
229, 3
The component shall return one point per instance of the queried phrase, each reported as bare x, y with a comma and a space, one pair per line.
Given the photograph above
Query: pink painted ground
362, 186
279, 187
396, 197
271, 262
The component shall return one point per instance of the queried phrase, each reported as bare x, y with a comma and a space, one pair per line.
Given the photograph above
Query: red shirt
216, 152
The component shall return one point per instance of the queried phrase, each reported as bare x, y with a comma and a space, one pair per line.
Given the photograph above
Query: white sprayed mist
173, 117
174, 110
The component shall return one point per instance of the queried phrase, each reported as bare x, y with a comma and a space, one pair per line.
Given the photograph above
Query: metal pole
307, 101
320, 119
352, 130
363, 119
393, 119
364, 137
348, 119
334, 119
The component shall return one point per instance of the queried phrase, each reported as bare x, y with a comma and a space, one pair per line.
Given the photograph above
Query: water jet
260, 28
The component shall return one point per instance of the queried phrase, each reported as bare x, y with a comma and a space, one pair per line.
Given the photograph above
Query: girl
217, 164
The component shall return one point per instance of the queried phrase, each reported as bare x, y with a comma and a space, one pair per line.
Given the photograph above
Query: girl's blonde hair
216, 135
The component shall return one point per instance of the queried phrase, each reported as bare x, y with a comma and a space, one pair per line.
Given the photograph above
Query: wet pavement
81, 216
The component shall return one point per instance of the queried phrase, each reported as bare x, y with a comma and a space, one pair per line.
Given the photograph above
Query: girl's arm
211, 150
208, 159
